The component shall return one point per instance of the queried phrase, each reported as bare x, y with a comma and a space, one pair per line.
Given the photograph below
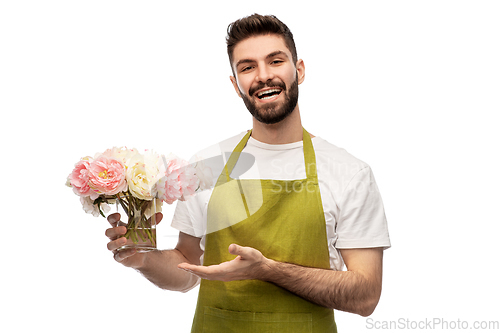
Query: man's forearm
343, 290
356, 290
160, 267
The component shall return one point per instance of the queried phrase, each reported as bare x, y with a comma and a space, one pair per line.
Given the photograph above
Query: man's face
266, 77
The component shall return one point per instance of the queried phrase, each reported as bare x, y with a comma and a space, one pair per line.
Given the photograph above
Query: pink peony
107, 176
190, 181
79, 177
179, 181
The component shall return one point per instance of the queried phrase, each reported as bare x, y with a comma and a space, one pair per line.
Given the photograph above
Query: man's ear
301, 70
235, 85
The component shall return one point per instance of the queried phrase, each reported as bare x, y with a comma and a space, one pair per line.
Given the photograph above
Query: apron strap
228, 168
309, 157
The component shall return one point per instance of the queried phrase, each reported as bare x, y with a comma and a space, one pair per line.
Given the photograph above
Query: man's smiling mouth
268, 93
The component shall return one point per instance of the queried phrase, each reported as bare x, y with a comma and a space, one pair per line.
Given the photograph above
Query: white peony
142, 174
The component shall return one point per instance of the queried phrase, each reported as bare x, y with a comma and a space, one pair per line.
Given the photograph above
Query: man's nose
264, 74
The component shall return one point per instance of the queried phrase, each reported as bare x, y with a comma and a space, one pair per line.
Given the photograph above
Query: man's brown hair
257, 25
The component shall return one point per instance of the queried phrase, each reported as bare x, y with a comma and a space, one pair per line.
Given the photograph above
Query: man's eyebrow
275, 53
244, 61
270, 55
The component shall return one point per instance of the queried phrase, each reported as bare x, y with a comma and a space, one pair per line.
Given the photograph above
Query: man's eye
277, 61
244, 69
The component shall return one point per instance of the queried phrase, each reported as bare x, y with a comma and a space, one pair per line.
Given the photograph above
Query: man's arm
356, 290
159, 267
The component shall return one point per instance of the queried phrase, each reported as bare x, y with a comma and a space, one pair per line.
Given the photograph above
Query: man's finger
116, 244
115, 232
159, 217
194, 269
185, 266
113, 219
236, 249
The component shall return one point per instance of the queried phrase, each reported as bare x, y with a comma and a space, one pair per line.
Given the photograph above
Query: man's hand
129, 257
249, 264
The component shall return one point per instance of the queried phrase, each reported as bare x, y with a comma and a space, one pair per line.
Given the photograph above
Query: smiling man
269, 246
269, 100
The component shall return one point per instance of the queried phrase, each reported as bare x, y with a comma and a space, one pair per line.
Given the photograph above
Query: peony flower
79, 177
122, 154
204, 174
106, 176
90, 208
190, 182
143, 174
179, 182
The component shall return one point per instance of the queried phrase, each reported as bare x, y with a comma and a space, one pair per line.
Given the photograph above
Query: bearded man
268, 246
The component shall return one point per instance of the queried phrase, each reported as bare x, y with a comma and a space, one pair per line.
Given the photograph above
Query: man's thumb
235, 249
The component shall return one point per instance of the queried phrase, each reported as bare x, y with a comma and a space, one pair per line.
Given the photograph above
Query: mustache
268, 84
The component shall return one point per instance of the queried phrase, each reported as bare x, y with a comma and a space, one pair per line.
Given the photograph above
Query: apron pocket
219, 320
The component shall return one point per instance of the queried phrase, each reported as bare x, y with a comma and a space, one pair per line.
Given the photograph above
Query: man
274, 240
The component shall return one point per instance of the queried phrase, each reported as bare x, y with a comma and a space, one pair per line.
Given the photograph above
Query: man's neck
286, 131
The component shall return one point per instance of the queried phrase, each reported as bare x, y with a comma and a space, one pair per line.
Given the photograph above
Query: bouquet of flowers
138, 182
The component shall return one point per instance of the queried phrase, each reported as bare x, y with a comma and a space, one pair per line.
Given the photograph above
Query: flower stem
138, 225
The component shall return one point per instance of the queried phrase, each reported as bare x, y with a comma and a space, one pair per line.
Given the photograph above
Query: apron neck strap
228, 168
309, 155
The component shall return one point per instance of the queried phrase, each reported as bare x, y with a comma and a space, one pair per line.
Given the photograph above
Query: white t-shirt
352, 204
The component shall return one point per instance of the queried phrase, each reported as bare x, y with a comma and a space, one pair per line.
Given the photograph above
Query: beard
273, 113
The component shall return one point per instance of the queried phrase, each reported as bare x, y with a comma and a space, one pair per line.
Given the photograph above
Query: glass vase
140, 218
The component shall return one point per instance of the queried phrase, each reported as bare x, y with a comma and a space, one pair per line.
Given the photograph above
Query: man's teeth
268, 93
267, 97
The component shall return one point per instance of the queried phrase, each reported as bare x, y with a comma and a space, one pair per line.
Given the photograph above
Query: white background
410, 87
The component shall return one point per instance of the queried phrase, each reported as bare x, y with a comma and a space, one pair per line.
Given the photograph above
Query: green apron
285, 221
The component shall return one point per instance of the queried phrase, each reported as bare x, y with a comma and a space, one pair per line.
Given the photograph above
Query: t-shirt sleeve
362, 222
188, 216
